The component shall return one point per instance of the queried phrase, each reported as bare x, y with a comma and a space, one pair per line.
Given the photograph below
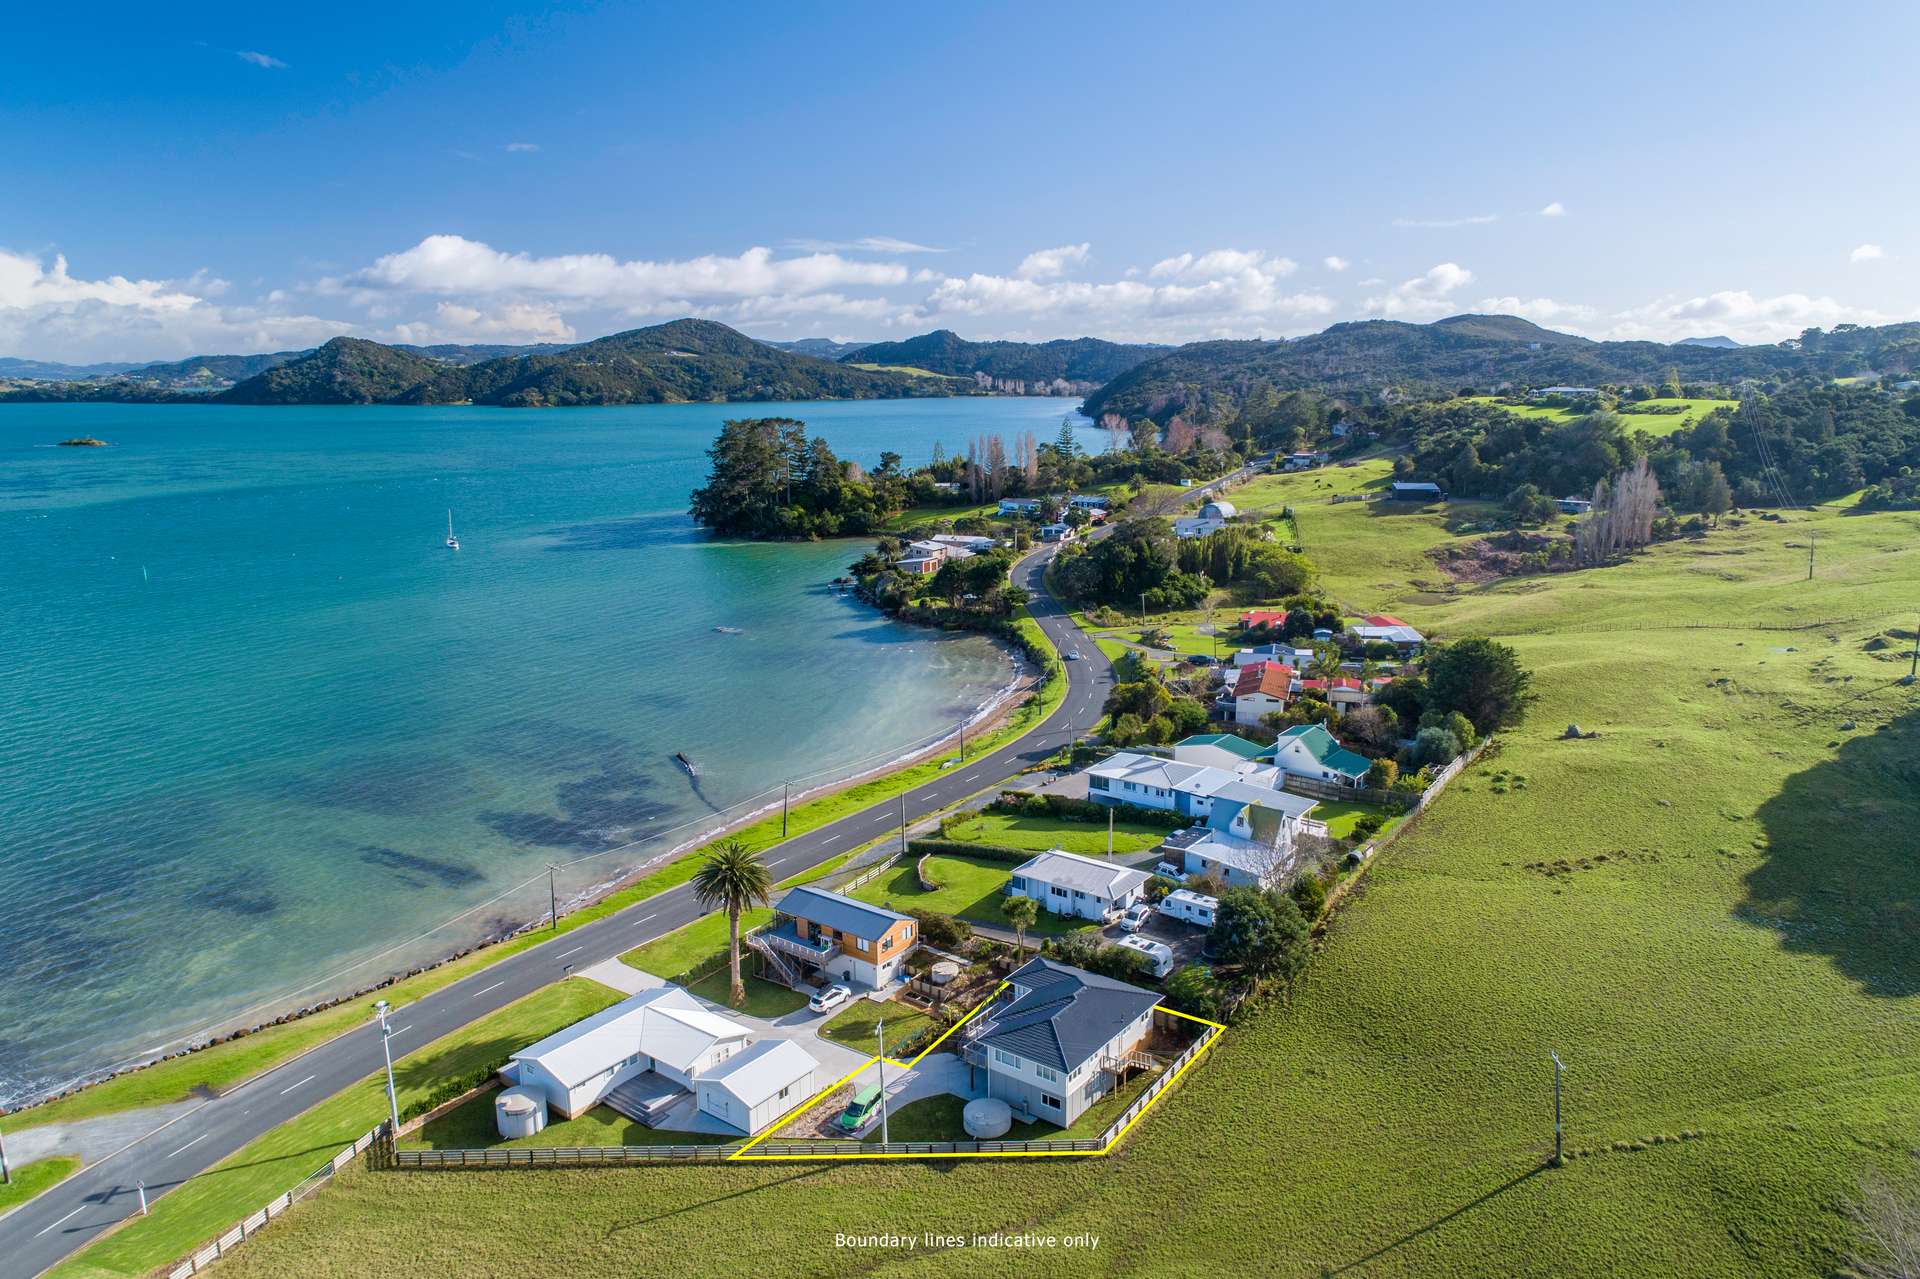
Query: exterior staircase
774, 960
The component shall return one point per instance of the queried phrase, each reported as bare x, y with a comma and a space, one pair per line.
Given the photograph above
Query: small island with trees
83, 442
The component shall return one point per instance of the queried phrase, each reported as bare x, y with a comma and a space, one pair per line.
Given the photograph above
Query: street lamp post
880, 1033
386, 1048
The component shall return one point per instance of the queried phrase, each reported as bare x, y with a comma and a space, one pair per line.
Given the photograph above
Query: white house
1019, 505
1056, 532
1568, 392
1058, 1041
1176, 785
1302, 461
753, 1089
666, 1031
1190, 907
1257, 690
964, 541
1309, 750
1088, 501
1248, 838
1573, 505
1083, 887
1212, 518
1285, 654
1388, 629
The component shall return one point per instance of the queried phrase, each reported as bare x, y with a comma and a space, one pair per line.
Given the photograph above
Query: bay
258, 724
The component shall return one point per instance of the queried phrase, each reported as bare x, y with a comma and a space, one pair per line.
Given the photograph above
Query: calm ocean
257, 723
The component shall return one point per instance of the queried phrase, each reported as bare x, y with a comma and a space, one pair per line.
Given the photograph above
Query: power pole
1809, 554
386, 1047
6, 1172
553, 900
963, 741
1558, 1070
1143, 610
903, 823
880, 1032
1913, 672
785, 788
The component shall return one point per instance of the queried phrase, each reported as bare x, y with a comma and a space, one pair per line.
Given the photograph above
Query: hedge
1021, 804
960, 848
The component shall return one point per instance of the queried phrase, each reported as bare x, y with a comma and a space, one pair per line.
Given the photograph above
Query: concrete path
937, 1075
622, 977
92, 1139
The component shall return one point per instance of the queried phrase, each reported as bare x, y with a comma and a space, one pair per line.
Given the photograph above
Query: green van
859, 1110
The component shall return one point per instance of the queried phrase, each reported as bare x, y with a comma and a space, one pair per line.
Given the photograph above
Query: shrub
1367, 826
1194, 989
1435, 746
1159, 886
1382, 775
943, 931
1310, 895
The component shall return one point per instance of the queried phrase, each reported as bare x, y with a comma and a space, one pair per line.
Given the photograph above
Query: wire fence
247, 1227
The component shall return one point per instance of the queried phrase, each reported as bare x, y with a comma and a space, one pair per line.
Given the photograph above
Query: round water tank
986, 1118
519, 1112
943, 972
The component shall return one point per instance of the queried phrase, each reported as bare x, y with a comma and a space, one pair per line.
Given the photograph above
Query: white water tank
986, 1118
520, 1112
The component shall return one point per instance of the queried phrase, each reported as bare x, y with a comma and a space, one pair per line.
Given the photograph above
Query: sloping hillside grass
1711, 911
1658, 423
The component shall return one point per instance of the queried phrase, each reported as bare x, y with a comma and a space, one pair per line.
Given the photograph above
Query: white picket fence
252, 1224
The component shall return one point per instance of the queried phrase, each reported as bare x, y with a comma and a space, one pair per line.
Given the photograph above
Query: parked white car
830, 998
1136, 916
1169, 871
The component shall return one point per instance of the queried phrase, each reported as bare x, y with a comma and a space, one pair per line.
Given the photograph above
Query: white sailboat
453, 543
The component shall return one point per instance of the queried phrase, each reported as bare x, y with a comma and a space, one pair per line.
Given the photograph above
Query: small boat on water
453, 543
680, 758
729, 630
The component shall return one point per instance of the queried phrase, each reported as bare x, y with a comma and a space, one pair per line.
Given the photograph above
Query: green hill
1480, 350
682, 361
1071, 359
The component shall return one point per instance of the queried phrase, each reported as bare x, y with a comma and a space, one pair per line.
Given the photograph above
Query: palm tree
1021, 912
1326, 662
733, 878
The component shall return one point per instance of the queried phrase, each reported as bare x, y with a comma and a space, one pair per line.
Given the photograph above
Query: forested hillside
1067, 359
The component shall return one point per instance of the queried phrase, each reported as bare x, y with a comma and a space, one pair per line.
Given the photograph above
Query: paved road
49, 1227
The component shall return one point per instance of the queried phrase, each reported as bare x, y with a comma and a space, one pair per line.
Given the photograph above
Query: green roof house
1309, 750
1217, 750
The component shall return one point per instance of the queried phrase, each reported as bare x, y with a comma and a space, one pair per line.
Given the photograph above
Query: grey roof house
1059, 1040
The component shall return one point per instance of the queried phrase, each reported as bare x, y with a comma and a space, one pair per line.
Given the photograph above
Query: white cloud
511, 322
1423, 297
521, 147
1554, 210
1866, 253
259, 59
1046, 264
1478, 219
1738, 314
49, 313
454, 265
1219, 262
865, 244
1554, 315
1334, 262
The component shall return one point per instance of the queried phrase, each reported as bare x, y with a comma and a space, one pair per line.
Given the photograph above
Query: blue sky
255, 177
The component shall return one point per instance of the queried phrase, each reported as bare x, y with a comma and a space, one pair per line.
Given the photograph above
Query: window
785, 1091
1048, 1073
1079, 896
1056, 890
1007, 1059
1097, 782
1020, 882
1050, 1101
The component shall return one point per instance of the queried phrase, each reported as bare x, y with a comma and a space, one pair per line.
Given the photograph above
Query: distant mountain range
1087, 360
699, 360
1479, 351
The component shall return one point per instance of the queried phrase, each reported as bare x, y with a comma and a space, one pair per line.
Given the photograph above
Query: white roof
667, 1023
1261, 782
1219, 509
1147, 946
1249, 855
1088, 874
1393, 634
761, 1071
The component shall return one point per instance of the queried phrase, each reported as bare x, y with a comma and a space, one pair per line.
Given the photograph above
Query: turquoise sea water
257, 723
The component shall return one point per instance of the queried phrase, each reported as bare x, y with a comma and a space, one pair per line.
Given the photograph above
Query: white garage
754, 1088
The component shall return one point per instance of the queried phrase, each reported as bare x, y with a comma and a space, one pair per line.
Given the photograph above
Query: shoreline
499, 930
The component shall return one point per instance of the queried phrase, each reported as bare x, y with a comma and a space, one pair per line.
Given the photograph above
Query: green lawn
764, 998
698, 943
973, 889
1341, 814
1042, 833
1652, 423
854, 1025
30, 1179
471, 1127
1711, 912
911, 370
240, 1184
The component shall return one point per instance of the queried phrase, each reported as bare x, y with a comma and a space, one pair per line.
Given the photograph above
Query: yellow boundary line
742, 1156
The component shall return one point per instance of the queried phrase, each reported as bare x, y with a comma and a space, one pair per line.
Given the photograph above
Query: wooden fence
601, 1156
870, 874
247, 1227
